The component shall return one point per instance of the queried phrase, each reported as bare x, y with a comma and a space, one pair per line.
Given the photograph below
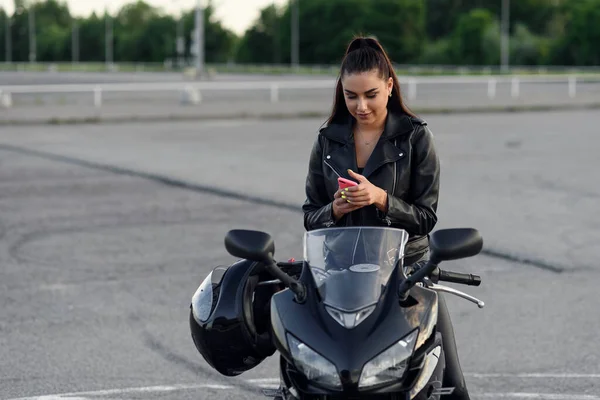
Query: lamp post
180, 42
180, 36
8, 39
32, 37
504, 47
108, 46
75, 41
295, 12
199, 38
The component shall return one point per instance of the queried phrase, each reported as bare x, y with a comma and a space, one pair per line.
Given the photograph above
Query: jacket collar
395, 125
385, 151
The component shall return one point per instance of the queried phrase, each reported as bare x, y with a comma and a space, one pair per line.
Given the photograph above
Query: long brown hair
366, 54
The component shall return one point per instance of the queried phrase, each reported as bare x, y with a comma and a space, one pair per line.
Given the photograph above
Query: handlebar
294, 268
456, 277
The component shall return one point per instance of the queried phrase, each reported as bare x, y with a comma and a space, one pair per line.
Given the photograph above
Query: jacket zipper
330, 222
333, 169
387, 218
394, 184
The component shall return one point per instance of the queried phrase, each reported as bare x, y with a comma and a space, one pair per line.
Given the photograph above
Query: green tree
467, 38
490, 44
443, 15
429, 31
53, 30
219, 42
141, 33
261, 44
158, 40
579, 44
20, 34
92, 38
526, 48
327, 27
131, 32
400, 25
4, 19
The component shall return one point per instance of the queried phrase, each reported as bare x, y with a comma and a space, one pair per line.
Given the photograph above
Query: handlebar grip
456, 277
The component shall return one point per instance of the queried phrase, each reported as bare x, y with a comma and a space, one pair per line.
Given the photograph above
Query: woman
372, 138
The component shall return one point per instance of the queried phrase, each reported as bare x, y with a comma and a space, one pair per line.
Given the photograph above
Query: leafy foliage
559, 32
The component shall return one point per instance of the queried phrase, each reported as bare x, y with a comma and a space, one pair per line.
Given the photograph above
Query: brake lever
268, 283
446, 289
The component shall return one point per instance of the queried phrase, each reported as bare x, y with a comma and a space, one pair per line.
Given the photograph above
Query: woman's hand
341, 206
365, 193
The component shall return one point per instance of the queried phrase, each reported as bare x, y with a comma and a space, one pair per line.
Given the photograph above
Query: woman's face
366, 96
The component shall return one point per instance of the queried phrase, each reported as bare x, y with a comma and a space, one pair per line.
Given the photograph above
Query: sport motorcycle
349, 321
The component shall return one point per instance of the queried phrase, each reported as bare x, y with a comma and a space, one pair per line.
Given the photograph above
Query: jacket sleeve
318, 208
418, 215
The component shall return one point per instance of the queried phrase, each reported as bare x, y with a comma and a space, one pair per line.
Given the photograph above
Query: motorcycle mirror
250, 245
259, 246
445, 245
455, 243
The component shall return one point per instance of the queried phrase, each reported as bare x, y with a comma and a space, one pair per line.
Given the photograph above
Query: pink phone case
345, 183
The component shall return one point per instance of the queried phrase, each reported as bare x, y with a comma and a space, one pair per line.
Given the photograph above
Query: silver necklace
365, 142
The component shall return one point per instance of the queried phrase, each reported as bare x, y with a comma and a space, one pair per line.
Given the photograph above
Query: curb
285, 115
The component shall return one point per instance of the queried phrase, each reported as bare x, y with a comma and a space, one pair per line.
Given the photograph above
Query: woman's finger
346, 206
352, 193
354, 199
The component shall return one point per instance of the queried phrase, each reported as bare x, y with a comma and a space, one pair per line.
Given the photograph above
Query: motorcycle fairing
350, 349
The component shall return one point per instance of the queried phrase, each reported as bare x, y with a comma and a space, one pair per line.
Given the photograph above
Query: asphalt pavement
107, 230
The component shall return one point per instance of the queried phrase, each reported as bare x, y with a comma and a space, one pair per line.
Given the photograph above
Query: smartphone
346, 183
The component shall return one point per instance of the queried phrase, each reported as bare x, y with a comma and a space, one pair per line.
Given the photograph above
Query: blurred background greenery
543, 33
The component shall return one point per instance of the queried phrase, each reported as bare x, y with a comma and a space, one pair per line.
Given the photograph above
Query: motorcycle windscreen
351, 266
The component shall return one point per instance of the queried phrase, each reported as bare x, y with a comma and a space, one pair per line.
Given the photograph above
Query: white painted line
263, 381
274, 382
482, 376
537, 396
535, 376
111, 392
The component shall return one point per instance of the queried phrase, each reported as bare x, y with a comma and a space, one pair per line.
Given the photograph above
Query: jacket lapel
341, 158
386, 151
344, 157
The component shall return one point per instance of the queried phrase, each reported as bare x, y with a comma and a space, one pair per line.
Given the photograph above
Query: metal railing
172, 65
192, 91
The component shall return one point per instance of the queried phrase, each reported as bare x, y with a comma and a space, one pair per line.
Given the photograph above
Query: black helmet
229, 318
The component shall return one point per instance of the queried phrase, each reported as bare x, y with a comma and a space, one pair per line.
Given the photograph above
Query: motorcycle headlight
312, 365
389, 365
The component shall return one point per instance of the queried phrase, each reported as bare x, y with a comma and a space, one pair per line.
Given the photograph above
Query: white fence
191, 92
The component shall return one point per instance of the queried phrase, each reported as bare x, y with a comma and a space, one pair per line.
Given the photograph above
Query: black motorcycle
350, 321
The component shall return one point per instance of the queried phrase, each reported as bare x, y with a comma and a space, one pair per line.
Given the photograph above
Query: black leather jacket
404, 163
